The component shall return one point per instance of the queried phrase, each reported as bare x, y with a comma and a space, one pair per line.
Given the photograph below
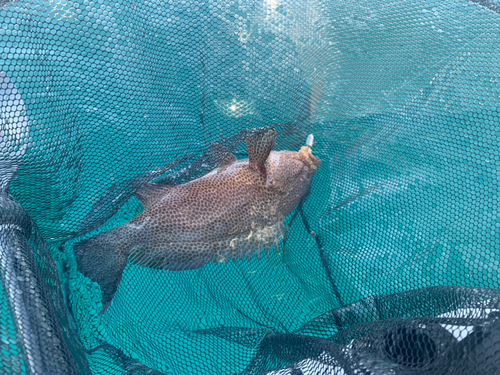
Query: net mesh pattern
391, 262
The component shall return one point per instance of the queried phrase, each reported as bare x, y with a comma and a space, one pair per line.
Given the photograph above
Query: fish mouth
305, 156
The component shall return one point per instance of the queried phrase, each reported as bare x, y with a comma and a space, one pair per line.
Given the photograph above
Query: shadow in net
434, 330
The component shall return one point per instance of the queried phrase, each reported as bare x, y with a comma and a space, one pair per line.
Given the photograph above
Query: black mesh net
390, 264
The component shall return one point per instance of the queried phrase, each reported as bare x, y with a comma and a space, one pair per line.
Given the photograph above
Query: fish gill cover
390, 263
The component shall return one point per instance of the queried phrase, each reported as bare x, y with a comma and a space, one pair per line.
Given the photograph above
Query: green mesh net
391, 261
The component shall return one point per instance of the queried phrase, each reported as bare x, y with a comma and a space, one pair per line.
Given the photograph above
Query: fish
233, 212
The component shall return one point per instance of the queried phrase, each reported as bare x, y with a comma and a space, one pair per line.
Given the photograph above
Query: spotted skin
233, 212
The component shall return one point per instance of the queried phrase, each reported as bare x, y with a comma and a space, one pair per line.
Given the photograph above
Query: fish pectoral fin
259, 147
148, 193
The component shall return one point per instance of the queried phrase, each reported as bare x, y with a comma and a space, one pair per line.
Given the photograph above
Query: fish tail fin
102, 259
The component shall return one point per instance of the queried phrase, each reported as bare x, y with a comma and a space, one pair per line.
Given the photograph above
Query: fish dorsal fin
148, 193
259, 147
218, 150
230, 159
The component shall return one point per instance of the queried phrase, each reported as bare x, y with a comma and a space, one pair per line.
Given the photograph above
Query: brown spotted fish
233, 212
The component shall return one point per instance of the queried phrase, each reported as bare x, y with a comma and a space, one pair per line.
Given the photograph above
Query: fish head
289, 171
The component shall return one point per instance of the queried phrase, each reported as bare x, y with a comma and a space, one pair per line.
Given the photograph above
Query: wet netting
387, 264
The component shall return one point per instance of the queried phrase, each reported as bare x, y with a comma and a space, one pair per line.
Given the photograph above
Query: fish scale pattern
233, 212
389, 264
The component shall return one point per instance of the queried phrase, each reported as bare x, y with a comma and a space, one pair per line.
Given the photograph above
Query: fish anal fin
259, 147
171, 258
148, 193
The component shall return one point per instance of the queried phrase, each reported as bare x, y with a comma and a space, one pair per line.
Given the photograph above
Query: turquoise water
390, 223
402, 99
